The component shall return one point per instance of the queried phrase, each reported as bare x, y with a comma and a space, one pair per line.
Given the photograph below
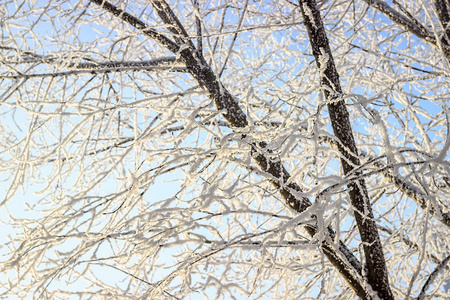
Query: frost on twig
441, 266
169, 61
130, 163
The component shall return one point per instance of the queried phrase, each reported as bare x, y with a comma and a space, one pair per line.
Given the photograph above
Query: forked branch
342, 258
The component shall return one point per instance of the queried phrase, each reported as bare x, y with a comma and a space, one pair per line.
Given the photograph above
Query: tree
225, 149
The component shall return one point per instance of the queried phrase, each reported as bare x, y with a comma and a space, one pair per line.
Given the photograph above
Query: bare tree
225, 149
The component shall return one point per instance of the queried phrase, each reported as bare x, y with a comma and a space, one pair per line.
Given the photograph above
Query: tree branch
412, 191
340, 121
409, 25
444, 17
166, 64
138, 24
169, 18
198, 24
160, 61
411, 244
410, 16
342, 258
433, 276
418, 196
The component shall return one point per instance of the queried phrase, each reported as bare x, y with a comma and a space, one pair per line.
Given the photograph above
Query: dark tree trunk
376, 266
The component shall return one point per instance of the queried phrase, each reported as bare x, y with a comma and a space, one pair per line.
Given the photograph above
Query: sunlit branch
251, 244
410, 16
100, 263
238, 241
97, 151
400, 19
27, 57
342, 258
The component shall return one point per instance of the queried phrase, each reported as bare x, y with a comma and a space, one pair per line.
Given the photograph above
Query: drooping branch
340, 121
342, 258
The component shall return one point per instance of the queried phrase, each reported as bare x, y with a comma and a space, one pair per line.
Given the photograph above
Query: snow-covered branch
227, 149
410, 25
433, 276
